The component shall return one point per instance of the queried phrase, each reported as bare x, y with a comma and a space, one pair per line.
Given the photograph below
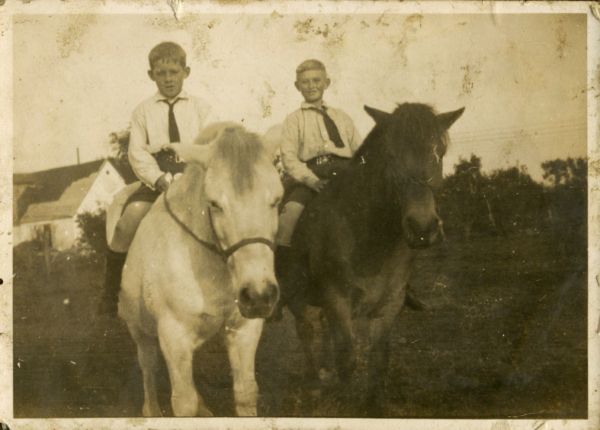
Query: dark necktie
173, 130
167, 160
332, 130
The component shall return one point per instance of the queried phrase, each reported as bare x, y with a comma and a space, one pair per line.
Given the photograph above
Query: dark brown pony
353, 245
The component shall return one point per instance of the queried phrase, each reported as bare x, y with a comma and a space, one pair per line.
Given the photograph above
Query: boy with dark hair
169, 116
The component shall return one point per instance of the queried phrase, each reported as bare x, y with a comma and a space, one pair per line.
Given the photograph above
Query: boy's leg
284, 259
128, 224
117, 251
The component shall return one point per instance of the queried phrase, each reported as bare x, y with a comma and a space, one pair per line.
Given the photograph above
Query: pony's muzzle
422, 235
255, 302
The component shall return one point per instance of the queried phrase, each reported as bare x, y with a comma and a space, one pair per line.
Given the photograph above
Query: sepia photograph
318, 214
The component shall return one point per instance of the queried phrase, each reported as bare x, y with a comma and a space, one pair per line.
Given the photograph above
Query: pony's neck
366, 192
188, 202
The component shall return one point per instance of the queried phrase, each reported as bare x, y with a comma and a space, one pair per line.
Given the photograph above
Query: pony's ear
448, 118
378, 116
192, 153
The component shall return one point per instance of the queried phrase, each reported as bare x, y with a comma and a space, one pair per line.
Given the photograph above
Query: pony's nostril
245, 296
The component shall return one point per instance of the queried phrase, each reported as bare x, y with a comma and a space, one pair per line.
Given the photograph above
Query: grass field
505, 336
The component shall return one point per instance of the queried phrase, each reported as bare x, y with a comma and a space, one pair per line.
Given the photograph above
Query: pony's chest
374, 291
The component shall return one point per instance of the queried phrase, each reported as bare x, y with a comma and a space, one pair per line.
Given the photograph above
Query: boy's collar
306, 105
159, 97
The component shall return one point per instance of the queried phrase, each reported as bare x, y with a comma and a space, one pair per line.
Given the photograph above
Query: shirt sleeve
142, 162
354, 137
290, 147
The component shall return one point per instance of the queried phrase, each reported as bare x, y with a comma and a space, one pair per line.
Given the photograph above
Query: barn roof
56, 193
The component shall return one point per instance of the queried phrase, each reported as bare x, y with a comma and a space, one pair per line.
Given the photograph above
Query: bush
93, 231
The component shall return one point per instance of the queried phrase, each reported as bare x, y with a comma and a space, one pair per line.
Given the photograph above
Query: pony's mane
238, 151
412, 125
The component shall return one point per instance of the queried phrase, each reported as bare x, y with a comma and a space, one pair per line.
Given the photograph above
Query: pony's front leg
242, 341
379, 337
178, 344
147, 350
339, 316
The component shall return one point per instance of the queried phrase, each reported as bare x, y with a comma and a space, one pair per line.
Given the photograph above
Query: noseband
216, 248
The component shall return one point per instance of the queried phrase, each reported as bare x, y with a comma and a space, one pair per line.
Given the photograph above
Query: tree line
508, 201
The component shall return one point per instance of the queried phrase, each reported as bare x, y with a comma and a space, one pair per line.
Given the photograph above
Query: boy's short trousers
325, 167
143, 194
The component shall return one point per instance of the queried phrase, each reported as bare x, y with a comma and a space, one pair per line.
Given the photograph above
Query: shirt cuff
311, 181
154, 178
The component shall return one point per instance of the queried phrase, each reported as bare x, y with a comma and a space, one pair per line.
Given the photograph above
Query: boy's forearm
141, 160
144, 165
147, 173
300, 172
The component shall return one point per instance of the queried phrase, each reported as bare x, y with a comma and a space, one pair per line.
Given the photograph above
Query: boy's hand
319, 185
162, 183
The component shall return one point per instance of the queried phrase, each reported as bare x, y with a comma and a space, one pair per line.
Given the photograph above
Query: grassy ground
505, 337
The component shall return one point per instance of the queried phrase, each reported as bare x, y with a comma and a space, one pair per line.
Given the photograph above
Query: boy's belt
168, 162
323, 159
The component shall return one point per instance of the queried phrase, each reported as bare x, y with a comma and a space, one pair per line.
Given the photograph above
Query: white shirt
150, 130
305, 137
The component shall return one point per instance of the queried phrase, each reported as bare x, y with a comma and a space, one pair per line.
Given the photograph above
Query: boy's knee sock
282, 260
287, 222
114, 269
289, 273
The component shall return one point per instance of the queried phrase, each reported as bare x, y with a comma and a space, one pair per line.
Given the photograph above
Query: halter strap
224, 253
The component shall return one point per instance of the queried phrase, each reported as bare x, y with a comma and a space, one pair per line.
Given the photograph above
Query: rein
224, 253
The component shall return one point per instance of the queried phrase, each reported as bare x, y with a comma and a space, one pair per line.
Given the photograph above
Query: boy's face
312, 84
169, 76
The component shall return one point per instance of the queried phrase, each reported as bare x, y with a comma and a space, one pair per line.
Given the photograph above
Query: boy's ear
327, 82
296, 85
187, 71
150, 75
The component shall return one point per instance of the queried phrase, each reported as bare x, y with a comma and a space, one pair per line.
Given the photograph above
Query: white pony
201, 263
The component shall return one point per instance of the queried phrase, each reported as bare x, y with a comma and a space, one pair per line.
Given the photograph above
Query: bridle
216, 248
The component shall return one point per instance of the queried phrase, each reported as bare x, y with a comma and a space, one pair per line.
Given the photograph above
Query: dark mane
239, 151
410, 125
388, 154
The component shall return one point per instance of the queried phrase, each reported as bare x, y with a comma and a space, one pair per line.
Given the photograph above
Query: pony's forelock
238, 151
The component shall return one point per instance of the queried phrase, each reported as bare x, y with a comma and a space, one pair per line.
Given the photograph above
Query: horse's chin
418, 245
422, 243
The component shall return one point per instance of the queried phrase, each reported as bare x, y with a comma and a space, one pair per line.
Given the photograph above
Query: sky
521, 78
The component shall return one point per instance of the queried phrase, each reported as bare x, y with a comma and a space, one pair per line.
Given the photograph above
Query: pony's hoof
246, 412
151, 411
203, 411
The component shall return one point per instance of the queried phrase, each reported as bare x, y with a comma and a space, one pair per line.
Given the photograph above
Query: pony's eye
215, 206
